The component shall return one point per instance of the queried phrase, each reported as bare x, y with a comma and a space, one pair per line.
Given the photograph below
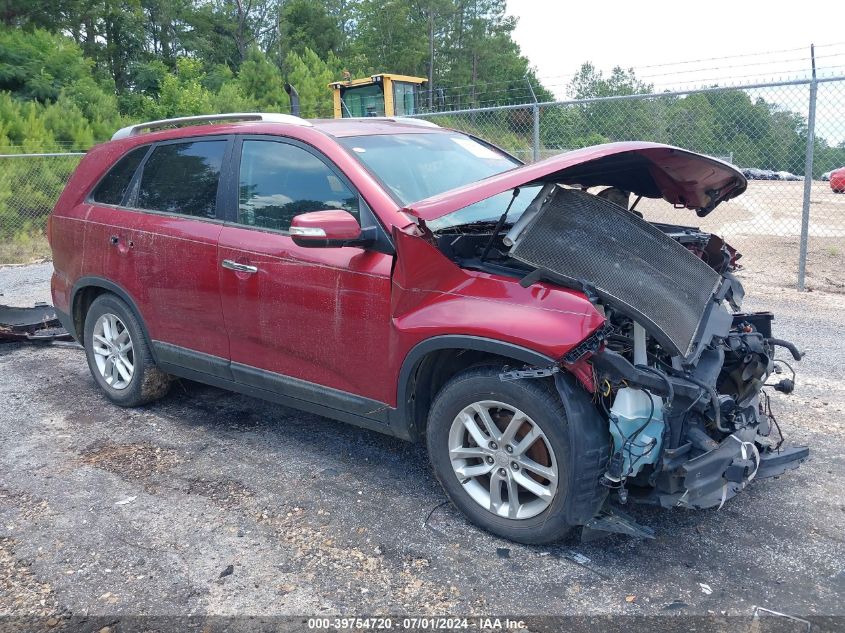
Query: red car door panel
147, 255
318, 315
161, 249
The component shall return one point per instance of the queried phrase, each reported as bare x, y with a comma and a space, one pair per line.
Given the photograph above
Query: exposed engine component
679, 373
587, 242
714, 436
637, 428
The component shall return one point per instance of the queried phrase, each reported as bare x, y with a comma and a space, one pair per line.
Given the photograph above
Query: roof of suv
372, 126
217, 123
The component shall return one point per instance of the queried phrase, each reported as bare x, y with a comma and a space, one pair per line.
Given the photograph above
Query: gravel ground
213, 503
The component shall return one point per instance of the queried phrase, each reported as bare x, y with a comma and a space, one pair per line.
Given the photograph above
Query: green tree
311, 76
308, 24
261, 81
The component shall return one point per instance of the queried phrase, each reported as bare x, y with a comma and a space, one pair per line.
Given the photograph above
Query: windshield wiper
499, 225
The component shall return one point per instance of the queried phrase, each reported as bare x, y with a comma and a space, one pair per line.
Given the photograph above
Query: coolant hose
797, 355
714, 401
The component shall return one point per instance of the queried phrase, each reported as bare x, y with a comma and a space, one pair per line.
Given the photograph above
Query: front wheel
511, 459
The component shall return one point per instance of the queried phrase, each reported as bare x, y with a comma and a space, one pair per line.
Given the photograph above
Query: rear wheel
504, 454
118, 355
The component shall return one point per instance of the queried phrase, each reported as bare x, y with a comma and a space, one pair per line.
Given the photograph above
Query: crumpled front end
679, 371
716, 428
680, 375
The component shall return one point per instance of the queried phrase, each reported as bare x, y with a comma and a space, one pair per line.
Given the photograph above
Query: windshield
418, 166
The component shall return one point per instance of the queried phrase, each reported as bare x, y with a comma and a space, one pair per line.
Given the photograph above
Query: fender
105, 284
458, 341
431, 295
401, 419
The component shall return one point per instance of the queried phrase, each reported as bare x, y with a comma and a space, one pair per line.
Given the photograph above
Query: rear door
319, 316
163, 250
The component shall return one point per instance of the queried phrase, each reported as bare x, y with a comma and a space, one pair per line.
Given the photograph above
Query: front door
301, 319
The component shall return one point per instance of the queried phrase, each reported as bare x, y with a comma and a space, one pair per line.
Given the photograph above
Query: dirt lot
214, 503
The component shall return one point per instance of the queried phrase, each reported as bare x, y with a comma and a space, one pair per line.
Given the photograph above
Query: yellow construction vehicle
379, 95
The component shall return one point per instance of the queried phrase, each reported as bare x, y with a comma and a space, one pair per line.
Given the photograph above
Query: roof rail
419, 122
393, 119
272, 117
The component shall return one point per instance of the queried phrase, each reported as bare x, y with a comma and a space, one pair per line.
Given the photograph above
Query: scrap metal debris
38, 323
762, 610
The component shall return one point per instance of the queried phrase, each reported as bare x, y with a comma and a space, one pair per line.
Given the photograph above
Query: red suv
560, 355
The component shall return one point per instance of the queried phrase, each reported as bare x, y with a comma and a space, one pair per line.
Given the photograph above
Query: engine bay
679, 372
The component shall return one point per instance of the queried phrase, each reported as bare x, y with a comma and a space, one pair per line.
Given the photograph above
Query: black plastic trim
173, 355
402, 418
67, 323
105, 284
266, 385
311, 392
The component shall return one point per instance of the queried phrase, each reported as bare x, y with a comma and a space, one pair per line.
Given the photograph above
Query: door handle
238, 267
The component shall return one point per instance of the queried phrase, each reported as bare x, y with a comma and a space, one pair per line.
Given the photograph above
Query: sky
764, 40
681, 45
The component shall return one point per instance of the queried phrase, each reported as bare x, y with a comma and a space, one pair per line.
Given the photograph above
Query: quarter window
279, 181
182, 178
113, 186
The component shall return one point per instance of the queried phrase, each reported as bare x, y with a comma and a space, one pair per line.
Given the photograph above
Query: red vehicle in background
559, 354
837, 180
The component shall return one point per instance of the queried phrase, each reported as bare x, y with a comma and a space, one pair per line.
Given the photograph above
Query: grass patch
24, 249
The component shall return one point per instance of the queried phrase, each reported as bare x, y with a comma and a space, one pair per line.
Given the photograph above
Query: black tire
575, 433
148, 382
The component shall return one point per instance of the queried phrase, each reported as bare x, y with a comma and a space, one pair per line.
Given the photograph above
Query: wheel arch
86, 290
432, 362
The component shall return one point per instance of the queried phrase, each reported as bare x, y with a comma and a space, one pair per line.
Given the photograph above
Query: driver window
279, 181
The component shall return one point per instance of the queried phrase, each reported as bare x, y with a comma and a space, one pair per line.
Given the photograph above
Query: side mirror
329, 229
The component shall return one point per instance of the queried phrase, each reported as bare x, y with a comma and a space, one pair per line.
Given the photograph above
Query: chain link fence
30, 184
786, 136
790, 224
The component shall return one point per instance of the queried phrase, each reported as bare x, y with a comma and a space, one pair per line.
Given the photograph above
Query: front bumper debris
718, 475
38, 323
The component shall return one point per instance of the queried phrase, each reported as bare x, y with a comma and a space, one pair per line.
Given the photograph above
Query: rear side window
182, 178
113, 186
279, 181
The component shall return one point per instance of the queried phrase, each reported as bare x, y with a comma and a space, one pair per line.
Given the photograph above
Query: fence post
535, 117
808, 175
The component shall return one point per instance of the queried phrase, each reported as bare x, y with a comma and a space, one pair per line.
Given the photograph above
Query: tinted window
403, 98
362, 101
113, 186
182, 178
279, 181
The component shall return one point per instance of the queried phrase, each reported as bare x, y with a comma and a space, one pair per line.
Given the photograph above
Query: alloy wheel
503, 459
113, 351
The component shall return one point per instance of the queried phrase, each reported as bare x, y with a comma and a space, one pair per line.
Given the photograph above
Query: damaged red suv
560, 355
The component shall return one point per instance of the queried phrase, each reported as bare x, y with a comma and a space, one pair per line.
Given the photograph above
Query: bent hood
652, 170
